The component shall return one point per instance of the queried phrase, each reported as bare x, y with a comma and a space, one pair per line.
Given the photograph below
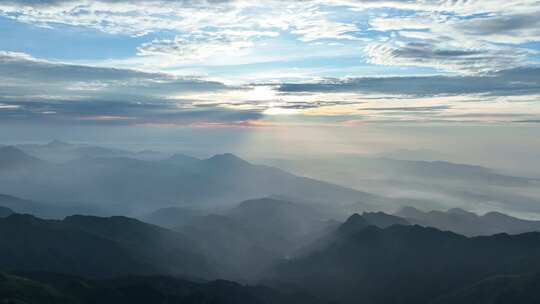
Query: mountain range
433, 184
129, 186
469, 223
372, 257
404, 263
96, 247
54, 288
224, 230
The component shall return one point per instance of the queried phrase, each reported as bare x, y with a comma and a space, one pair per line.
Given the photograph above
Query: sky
263, 65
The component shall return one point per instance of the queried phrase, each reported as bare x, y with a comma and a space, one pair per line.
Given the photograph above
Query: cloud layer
456, 60
36, 90
456, 36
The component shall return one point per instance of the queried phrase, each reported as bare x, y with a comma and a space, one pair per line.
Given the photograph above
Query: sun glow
279, 111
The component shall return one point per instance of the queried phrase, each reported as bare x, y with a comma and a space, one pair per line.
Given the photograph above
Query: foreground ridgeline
370, 258
54, 288
411, 264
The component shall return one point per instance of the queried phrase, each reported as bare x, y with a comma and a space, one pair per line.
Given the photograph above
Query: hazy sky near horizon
348, 65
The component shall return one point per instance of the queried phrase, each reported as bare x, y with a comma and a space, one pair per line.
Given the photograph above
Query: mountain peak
383, 220
353, 224
227, 158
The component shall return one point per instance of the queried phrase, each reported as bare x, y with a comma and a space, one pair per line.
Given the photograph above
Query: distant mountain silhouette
19, 205
468, 223
172, 217
246, 240
61, 151
182, 160
404, 263
128, 185
43, 210
43, 287
349, 170
421, 184
235, 251
226, 161
96, 246
280, 217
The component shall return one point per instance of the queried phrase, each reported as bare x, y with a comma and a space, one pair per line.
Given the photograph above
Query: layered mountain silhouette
127, 185
97, 247
44, 287
469, 223
172, 217
61, 151
45, 210
422, 184
298, 238
247, 240
404, 263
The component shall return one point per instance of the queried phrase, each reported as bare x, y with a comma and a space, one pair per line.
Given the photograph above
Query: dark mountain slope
405, 264
34, 244
236, 251
248, 239
18, 290
283, 218
95, 247
383, 220
51, 288
522, 289
5, 212
169, 252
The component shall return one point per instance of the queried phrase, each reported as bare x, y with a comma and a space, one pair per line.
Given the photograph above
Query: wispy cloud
519, 81
446, 58
480, 57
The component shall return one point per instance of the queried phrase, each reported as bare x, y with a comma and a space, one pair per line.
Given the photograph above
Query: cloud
454, 36
518, 81
35, 90
118, 113
459, 37
479, 49
514, 28
407, 109
459, 60
203, 45
138, 18
21, 74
